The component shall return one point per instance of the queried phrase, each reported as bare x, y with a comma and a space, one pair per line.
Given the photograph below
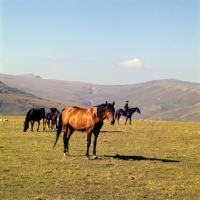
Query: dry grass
147, 160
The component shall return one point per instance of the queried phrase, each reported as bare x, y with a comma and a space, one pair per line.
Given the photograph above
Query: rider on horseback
126, 106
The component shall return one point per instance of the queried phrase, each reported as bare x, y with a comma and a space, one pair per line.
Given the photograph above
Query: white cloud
51, 58
135, 63
73, 60
26, 58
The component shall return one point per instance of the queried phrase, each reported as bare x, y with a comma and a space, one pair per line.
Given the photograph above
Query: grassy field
145, 160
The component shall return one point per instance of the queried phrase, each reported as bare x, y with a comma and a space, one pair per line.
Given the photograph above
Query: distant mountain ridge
30, 75
167, 99
16, 102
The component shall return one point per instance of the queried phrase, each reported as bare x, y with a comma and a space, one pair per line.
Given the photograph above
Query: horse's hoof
88, 157
66, 154
95, 157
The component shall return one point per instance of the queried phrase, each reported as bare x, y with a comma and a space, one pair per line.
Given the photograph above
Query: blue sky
101, 41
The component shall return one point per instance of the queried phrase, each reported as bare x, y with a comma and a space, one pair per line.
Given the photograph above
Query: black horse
128, 113
51, 117
34, 114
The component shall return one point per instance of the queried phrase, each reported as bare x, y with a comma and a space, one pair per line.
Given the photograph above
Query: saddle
125, 112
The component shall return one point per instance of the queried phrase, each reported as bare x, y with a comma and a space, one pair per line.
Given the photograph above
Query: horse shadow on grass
123, 157
110, 131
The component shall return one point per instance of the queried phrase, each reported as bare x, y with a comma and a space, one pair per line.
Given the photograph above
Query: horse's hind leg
66, 136
43, 124
65, 141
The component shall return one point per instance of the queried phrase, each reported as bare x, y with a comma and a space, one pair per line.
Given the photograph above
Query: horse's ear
113, 103
106, 103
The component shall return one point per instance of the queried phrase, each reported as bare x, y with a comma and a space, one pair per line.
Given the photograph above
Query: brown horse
128, 113
89, 120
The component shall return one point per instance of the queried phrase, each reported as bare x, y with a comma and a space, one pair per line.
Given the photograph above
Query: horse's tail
59, 128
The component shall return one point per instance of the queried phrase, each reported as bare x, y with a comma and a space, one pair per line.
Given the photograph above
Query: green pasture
145, 160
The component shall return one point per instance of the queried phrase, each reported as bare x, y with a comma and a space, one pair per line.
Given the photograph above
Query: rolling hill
16, 102
168, 99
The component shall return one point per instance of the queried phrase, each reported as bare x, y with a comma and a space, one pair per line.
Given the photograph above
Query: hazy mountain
167, 99
30, 76
16, 102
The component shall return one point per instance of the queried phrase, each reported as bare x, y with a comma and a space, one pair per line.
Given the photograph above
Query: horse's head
110, 111
25, 126
57, 112
138, 110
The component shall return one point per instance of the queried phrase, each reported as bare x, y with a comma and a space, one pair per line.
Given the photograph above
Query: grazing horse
34, 114
51, 116
89, 120
128, 113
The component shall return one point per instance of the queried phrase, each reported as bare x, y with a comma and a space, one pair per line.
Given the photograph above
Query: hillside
16, 102
169, 99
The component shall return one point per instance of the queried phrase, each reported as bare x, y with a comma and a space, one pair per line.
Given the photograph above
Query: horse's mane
100, 108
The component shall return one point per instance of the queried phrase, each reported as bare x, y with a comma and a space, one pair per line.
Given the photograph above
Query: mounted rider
126, 106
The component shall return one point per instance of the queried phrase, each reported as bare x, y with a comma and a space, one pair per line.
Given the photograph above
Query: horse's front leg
48, 124
32, 123
126, 120
38, 125
89, 134
94, 144
45, 121
43, 124
130, 120
52, 124
118, 118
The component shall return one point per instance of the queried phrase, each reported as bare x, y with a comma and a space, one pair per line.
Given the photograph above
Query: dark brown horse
51, 118
128, 113
34, 114
89, 120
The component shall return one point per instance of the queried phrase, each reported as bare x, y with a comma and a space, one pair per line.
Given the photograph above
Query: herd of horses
38, 114
77, 119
